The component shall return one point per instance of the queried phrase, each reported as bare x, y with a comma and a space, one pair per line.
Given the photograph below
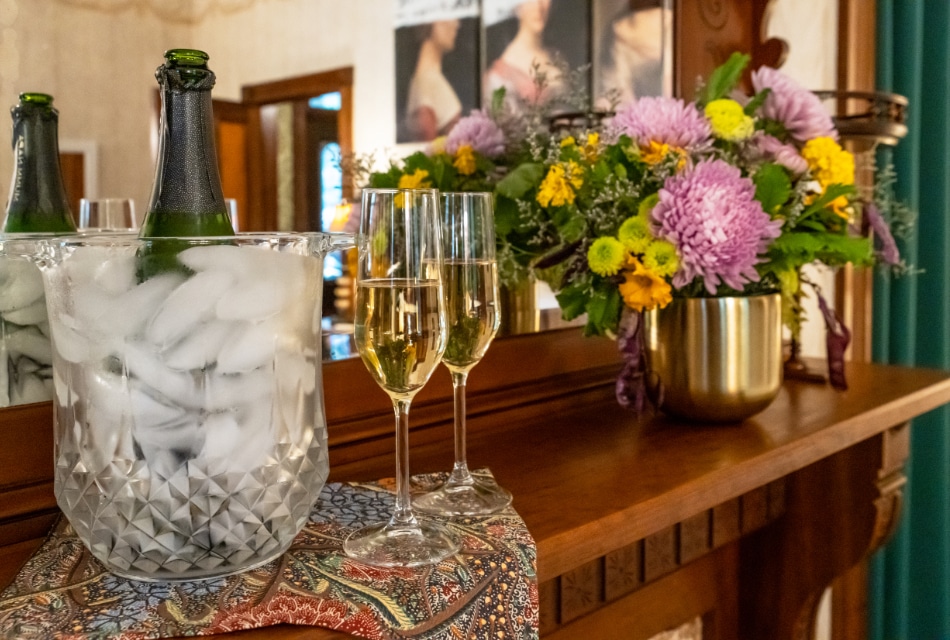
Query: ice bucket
190, 436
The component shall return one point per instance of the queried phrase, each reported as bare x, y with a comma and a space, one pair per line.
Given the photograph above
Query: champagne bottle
37, 197
186, 199
37, 204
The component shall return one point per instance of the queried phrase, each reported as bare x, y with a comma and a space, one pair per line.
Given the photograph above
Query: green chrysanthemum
661, 258
606, 256
635, 234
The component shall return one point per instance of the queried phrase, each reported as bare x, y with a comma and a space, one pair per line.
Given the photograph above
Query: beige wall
98, 57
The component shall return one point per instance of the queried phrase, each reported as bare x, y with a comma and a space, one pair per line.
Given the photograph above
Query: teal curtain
909, 595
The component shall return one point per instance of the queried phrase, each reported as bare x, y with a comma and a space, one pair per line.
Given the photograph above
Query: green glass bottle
37, 197
186, 199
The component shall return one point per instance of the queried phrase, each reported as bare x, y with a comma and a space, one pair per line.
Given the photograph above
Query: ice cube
199, 349
21, 284
252, 346
252, 301
229, 391
116, 275
69, 344
28, 390
128, 313
148, 411
146, 367
30, 343
32, 314
222, 436
190, 303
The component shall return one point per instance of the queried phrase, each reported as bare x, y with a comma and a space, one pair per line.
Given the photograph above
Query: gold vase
519, 308
715, 359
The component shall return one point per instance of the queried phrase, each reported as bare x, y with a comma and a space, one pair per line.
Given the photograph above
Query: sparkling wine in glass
471, 293
400, 334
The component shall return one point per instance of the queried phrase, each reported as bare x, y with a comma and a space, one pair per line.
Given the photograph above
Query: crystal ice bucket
189, 422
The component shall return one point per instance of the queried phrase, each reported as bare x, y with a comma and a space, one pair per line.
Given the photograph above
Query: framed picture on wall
521, 33
632, 49
437, 66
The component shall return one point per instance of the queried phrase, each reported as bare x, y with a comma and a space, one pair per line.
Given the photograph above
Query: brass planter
715, 359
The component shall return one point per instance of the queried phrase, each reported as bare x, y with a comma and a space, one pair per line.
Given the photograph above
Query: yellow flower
415, 180
656, 152
592, 147
606, 256
829, 163
465, 160
635, 234
568, 142
661, 258
559, 185
438, 145
728, 120
642, 289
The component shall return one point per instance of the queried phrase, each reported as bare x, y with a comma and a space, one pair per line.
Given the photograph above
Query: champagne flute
400, 333
107, 214
471, 290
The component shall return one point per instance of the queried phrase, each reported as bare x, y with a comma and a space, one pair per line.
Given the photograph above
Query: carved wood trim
615, 576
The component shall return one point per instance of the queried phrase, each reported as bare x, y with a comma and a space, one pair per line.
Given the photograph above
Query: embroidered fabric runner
489, 590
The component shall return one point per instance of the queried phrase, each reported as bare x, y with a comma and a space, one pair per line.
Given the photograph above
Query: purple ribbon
837, 338
631, 387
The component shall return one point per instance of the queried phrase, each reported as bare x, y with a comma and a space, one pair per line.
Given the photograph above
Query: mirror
98, 57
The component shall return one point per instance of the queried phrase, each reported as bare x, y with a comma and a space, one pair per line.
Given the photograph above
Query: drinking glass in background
108, 214
400, 333
471, 296
231, 204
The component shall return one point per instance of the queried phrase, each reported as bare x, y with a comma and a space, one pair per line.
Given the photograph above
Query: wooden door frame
297, 90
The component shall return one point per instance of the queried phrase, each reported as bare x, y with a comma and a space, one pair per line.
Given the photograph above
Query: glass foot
389, 545
480, 497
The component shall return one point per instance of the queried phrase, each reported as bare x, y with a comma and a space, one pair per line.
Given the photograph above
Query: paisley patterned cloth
489, 590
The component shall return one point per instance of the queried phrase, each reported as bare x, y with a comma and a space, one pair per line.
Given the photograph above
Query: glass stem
402, 514
460, 472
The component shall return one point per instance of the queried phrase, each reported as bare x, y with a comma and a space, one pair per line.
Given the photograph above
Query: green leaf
647, 204
520, 180
570, 223
724, 78
388, 180
753, 105
572, 300
832, 193
418, 160
773, 187
497, 100
506, 216
620, 171
603, 310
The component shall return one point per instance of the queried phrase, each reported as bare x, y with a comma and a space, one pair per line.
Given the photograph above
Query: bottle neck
186, 195
38, 200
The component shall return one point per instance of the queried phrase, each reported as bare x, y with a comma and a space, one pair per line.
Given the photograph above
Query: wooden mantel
640, 525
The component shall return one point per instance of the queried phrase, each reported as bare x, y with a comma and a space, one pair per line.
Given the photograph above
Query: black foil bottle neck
38, 201
187, 198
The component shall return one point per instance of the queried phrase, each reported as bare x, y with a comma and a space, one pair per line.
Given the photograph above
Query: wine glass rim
399, 190
467, 193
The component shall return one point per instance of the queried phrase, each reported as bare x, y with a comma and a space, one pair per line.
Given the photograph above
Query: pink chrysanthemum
479, 132
665, 120
766, 147
710, 213
797, 108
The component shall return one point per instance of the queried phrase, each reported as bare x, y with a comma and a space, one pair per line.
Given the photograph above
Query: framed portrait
521, 33
632, 49
437, 66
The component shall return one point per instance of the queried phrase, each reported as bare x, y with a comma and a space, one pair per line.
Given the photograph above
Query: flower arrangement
730, 194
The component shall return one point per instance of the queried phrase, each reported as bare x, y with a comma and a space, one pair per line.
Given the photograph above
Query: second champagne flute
471, 292
400, 333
